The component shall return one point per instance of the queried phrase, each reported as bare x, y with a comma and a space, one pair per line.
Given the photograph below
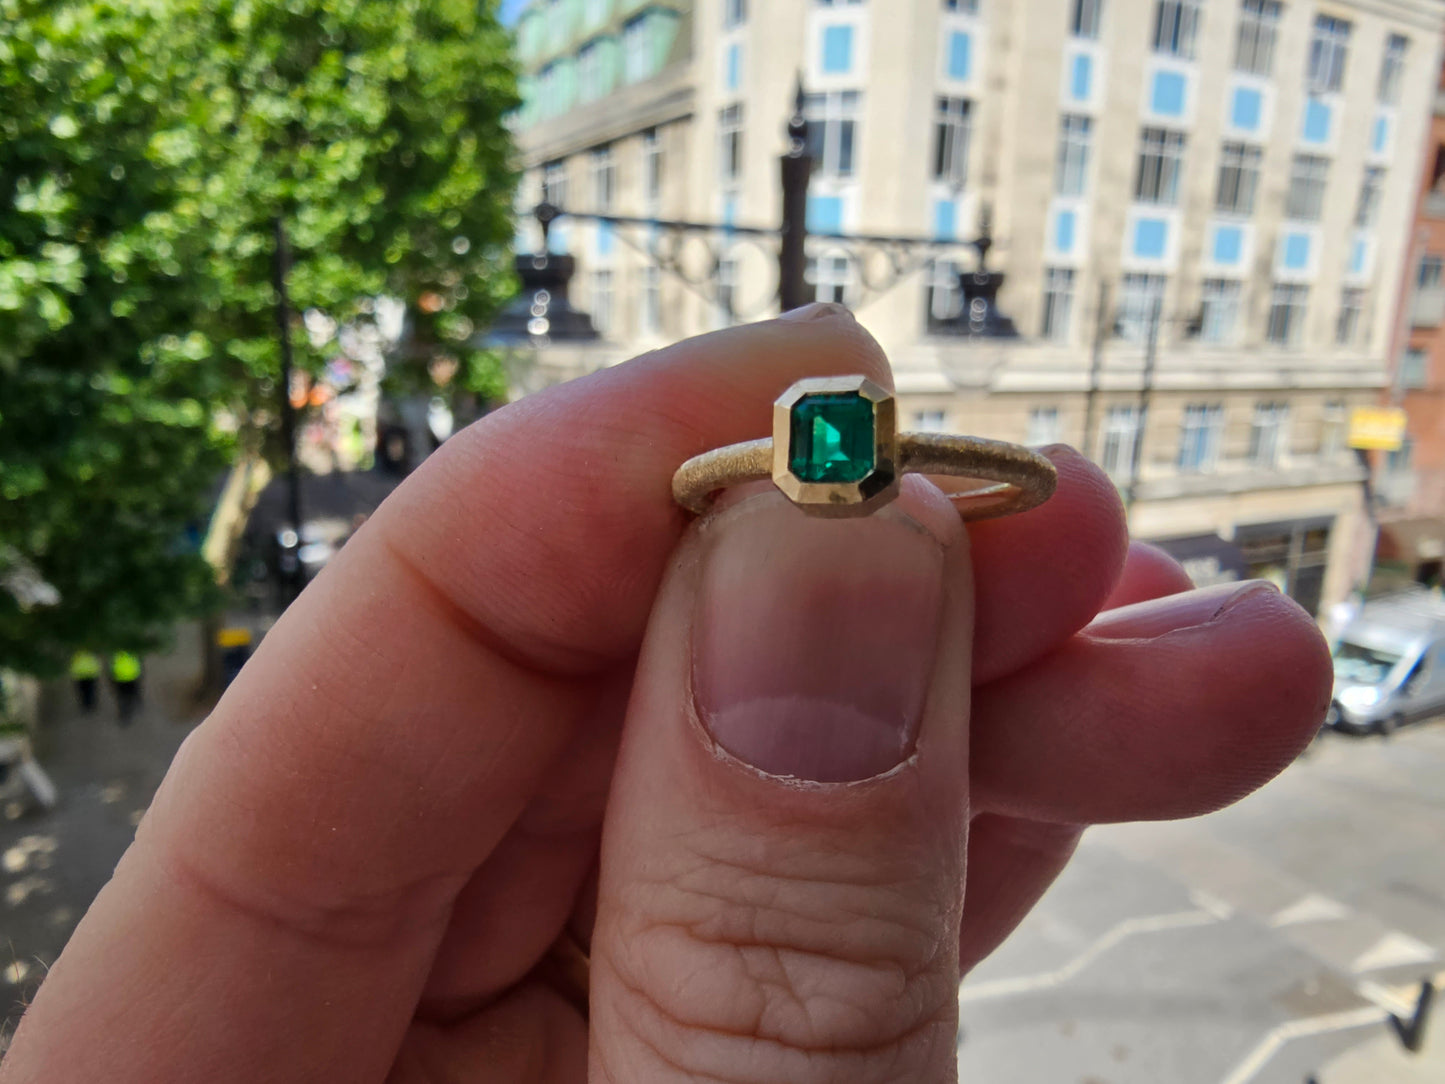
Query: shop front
1291, 554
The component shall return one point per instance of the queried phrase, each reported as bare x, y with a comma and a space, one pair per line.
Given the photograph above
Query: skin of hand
787, 777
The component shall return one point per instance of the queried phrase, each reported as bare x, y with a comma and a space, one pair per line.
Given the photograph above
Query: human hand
355, 868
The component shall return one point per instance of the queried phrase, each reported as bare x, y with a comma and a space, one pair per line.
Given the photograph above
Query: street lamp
541, 313
979, 316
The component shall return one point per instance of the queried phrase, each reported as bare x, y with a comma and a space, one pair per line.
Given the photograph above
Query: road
1251, 947
1254, 946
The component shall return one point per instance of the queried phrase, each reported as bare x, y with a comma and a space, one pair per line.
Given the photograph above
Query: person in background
85, 672
125, 675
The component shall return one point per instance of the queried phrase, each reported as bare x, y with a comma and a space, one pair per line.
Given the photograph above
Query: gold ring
836, 451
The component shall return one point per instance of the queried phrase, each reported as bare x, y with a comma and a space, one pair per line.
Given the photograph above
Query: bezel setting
839, 499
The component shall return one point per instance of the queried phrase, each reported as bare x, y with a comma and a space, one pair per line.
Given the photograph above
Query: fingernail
815, 639
818, 310
1158, 616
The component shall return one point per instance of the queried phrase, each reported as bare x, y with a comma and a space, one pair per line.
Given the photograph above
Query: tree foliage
147, 148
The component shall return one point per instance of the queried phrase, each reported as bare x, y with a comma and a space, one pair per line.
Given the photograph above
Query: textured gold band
1021, 479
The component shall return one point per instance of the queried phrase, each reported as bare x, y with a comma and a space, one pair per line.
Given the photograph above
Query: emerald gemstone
831, 438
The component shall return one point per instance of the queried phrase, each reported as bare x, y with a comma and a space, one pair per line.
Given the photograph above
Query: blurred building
1411, 480
1244, 169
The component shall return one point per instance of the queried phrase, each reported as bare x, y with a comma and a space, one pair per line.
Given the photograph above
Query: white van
1390, 665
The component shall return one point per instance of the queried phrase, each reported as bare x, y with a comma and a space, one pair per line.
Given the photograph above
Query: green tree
146, 150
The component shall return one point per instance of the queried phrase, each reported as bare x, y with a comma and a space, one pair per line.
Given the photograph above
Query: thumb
782, 861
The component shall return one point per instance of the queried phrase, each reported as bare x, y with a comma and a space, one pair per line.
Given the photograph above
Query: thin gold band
1024, 479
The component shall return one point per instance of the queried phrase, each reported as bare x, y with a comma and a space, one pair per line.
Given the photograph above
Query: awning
1207, 558
1412, 540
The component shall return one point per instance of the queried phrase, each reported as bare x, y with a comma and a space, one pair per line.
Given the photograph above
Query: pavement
1265, 944
52, 863
1260, 945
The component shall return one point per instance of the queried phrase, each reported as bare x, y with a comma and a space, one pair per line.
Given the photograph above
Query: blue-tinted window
1244, 111
604, 238
1064, 231
1296, 251
837, 49
1228, 245
945, 220
960, 54
1150, 237
735, 66
1380, 135
825, 214
1167, 95
1357, 257
1081, 76
1316, 127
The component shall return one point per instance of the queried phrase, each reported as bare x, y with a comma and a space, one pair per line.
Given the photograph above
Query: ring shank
1030, 477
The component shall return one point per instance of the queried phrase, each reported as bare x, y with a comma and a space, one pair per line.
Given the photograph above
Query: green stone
832, 438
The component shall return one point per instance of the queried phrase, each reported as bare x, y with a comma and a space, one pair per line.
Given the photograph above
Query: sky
510, 8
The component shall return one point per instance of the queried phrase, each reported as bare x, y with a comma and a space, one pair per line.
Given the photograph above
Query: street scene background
258, 261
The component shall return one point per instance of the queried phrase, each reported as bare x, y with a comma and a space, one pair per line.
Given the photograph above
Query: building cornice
664, 99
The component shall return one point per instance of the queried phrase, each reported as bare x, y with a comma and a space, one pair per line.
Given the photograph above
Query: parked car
1390, 665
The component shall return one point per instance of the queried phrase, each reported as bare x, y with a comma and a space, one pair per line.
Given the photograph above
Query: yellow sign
1377, 428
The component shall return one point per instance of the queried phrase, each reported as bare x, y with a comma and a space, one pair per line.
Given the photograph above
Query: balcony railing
1435, 204
1427, 308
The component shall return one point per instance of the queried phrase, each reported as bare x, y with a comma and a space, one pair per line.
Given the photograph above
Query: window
1141, 300
1058, 303
950, 143
1286, 314
837, 58
604, 177
1368, 208
969, 7
1254, 45
831, 276
944, 294
589, 72
1347, 325
1306, 188
1392, 67
1238, 178
1071, 175
1219, 310
832, 121
595, 12
1428, 275
554, 183
1045, 427
1269, 434
1334, 426
651, 169
1413, 368
727, 285
1329, 47
602, 301
651, 300
1084, 22
1398, 461
636, 50
1121, 434
1176, 24
928, 421
1200, 435
735, 13
730, 143
1161, 156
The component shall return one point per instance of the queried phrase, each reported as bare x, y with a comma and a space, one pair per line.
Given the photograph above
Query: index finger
280, 907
